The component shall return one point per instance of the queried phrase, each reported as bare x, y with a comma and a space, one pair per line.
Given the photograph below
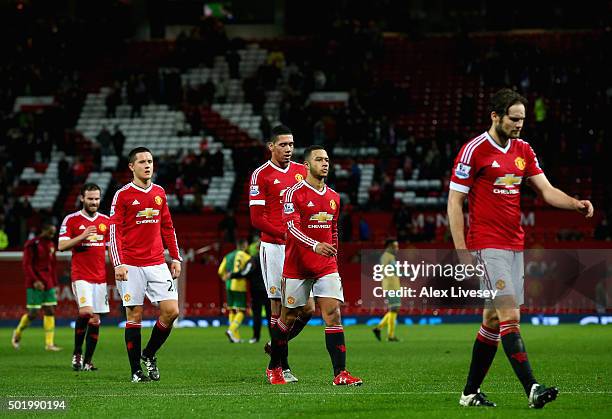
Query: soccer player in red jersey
39, 266
310, 212
268, 184
140, 227
488, 172
85, 232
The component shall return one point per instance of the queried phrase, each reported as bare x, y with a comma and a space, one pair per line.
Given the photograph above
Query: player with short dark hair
268, 184
489, 171
389, 282
140, 227
310, 213
39, 267
86, 233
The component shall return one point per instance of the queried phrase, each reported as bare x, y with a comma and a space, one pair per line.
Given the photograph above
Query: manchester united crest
158, 200
500, 284
102, 227
299, 178
291, 300
520, 163
272, 290
332, 204
82, 300
127, 298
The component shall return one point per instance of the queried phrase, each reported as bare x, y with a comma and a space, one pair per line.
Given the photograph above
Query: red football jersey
39, 262
492, 178
268, 185
311, 216
89, 256
140, 227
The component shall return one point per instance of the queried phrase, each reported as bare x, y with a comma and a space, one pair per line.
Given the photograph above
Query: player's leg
48, 306
383, 322
231, 296
168, 313
100, 306
302, 318
483, 353
295, 294
256, 308
328, 292
240, 307
83, 294
91, 340
392, 323
160, 288
272, 258
132, 293
133, 340
34, 299
508, 311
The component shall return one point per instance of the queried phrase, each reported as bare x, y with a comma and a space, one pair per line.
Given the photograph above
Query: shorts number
171, 287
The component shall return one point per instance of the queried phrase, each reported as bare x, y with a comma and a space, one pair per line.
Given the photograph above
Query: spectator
63, 171
118, 141
112, 100
105, 139
233, 61
79, 170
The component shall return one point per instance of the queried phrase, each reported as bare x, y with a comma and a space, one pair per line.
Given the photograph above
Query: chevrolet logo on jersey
508, 181
148, 213
322, 217
94, 237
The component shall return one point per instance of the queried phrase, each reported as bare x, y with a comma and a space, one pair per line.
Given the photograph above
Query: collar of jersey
494, 144
88, 217
133, 185
317, 191
285, 170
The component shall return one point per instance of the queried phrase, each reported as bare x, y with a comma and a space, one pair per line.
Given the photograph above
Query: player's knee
86, 311
307, 311
32, 314
171, 313
331, 316
509, 315
48, 310
134, 314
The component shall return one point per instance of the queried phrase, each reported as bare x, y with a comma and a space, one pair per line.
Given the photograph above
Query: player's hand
88, 232
585, 208
38, 285
465, 257
175, 269
325, 249
227, 276
121, 273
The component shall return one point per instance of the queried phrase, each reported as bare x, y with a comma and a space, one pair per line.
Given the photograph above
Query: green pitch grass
421, 376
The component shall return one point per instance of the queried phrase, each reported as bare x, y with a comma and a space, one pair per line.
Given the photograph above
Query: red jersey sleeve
65, 233
464, 170
168, 233
291, 218
257, 202
29, 259
532, 165
117, 213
